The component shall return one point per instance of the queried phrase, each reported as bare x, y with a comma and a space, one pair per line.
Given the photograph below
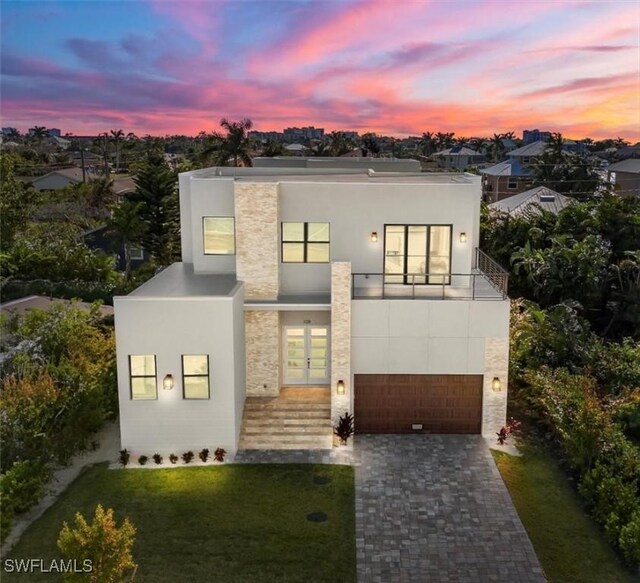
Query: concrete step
288, 421
278, 414
286, 442
284, 406
249, 429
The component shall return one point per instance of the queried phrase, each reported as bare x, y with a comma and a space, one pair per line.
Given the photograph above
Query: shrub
102, 542
187, 457
6, 517
173, 458
24, 484
142, 460
204, 454
630, 539
157, 458
344, 428
219, 454
124, 456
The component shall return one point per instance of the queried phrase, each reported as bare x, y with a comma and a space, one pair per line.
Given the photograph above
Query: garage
400, 403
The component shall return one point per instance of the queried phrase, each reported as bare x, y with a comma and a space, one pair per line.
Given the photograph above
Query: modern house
305, 293
533, 201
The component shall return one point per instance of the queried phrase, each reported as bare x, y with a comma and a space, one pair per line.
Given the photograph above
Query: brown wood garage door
391, 403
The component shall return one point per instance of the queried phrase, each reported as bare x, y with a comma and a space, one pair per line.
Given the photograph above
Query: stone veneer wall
262, 339
256, 207
341, 338
494, 405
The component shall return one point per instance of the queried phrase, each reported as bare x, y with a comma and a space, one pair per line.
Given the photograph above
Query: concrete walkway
432, 509
109, 446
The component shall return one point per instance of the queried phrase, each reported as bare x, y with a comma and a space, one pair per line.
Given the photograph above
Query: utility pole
84, 172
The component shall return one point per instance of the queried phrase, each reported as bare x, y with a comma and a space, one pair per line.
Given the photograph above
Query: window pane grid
305, 243
195, 376
142, 377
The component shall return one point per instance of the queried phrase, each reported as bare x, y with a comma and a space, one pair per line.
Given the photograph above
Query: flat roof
179, 281
26, 304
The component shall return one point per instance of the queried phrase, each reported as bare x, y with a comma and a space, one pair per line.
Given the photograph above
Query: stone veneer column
341, 339
494, 404
256, 208
262, 340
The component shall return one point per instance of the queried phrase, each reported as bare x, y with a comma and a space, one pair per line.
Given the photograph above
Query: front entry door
306, 355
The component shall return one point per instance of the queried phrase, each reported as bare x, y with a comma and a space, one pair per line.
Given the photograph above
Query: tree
272, 148
370, 144
17, 202
566, 172
444, 140
320, 149
38, 134
235, 145
101, 545
497, 147
126, 227
339, 144
159, 209
427, 144
116, 138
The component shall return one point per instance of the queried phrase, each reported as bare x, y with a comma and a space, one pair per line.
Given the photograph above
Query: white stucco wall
169, 328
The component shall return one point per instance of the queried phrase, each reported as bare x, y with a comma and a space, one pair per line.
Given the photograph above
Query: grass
568, 543
230, 523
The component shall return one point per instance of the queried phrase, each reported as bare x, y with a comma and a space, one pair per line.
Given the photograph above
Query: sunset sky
395, 67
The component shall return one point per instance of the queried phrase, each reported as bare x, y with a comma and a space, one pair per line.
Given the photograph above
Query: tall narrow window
195, 376
219, 235
305, 242
417, 254
142, 377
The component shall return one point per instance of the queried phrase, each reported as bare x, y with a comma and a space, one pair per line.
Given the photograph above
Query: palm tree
371, 144
272, 148
116, 138
126, 227
38, 134
426, 144
235, 145
339, 144
497, 147
320, 149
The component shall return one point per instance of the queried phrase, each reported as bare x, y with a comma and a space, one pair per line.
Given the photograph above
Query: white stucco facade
235, 307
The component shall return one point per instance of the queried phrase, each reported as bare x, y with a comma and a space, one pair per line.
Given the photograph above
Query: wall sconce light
374, 237
167, 383
340, 388
496, 385
463, 237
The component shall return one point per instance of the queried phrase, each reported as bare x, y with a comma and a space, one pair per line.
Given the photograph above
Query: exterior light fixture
374, 237
496, 385
463, 237
340, 387
167, 383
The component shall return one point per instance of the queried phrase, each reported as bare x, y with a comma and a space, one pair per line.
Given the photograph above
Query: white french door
306, 355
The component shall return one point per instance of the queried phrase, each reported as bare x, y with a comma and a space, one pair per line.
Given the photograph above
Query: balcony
487, 281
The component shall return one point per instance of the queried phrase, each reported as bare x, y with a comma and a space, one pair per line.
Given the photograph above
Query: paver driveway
433, 508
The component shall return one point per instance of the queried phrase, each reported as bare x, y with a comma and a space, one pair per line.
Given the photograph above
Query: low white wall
170, 328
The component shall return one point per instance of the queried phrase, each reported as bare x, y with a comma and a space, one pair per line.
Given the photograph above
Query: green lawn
568, 543
229, 523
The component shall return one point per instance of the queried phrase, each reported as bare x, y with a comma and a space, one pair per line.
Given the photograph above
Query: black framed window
512, 183
195, 376
219, 235
142, 377
305, 243
419, 254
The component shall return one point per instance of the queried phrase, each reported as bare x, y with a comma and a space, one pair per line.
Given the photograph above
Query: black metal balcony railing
487, 281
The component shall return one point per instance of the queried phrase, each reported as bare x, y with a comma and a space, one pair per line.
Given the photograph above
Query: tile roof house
532, 201
625, 175
305, 293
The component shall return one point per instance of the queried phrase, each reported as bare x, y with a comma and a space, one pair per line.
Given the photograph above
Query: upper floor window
219, 235
512, 183
195, 376
142, 376
305, 242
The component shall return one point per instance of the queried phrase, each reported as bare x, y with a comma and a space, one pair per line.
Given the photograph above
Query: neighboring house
532, 201
60, 179
23, 305
459, 158
303, 294
512, 176
350, 163
99, 238
625, 176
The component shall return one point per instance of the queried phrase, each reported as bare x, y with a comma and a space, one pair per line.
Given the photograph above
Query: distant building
532, 201
530, 136
60, 179
458, 157
22, 306
301, 134
54, 132
625, 176
101, 239
9, 131
264, 136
